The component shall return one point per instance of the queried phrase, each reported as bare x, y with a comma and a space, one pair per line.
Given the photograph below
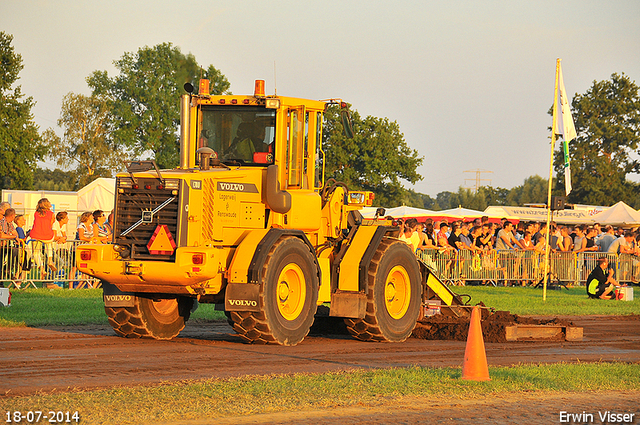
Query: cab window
242, 134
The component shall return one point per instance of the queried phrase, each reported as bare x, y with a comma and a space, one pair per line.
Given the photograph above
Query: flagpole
553, 144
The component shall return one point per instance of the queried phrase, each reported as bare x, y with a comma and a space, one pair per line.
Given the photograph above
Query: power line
477, 180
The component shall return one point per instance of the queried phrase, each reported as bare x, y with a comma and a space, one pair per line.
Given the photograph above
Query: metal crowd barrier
28, 265
524, 267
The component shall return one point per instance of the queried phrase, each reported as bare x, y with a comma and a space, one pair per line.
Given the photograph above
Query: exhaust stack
187, 159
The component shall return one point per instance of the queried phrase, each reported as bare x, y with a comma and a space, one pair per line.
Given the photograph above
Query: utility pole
477, 180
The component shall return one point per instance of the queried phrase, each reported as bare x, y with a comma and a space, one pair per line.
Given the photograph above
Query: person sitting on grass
600, 283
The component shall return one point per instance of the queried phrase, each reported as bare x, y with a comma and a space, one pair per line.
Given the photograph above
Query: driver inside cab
249, 139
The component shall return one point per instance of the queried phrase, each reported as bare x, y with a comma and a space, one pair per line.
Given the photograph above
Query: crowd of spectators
481, 235
20, 247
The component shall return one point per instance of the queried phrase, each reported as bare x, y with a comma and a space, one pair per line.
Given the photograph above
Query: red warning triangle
161, 242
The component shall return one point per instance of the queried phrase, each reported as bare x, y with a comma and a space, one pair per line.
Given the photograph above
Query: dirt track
57, 359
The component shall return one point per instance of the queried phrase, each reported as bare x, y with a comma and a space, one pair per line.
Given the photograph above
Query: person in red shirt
42, 231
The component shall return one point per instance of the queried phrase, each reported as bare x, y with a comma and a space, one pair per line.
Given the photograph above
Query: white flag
567, 128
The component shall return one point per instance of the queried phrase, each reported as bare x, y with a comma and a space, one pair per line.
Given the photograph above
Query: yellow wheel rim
397, 292
291, 291
165, 306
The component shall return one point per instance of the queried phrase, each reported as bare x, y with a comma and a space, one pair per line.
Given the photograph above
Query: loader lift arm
433, 288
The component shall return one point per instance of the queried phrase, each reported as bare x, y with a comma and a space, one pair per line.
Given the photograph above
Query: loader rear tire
288, 297
148, 318
393, 295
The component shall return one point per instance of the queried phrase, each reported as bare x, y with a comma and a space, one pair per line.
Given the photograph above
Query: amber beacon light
204, 87
259, 90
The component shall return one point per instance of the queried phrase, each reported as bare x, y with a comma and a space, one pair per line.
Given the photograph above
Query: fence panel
42, 264
445, 263
627, 268
525, 267
29, 265
480, 266
563, 266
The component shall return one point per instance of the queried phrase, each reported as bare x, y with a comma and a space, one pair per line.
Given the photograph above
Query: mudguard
114, 297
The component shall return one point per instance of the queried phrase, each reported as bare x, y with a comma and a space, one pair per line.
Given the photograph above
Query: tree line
135, 115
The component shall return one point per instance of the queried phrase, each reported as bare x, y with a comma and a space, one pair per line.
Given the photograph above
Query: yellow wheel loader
248, 223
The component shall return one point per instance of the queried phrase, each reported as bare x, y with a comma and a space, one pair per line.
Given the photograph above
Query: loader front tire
393, 295
162, 318
288, 297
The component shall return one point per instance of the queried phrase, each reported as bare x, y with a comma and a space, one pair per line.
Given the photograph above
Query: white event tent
619, 214
97, 195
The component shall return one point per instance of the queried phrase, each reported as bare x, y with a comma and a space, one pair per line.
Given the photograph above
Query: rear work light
171, 184
272, 103
197, 258
370, 199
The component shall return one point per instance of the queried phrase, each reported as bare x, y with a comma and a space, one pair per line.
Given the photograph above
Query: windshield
242, 134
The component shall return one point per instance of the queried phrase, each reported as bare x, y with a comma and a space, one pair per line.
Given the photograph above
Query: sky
469, 82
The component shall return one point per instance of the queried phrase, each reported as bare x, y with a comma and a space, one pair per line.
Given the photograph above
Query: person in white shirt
506, 240
60, 227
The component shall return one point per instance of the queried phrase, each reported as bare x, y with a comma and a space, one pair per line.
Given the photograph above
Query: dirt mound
493, 326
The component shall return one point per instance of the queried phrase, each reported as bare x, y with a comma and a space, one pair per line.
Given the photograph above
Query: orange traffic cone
475, 367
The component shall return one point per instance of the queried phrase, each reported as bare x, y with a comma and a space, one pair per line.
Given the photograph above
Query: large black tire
148, 318
393, 295
288, 297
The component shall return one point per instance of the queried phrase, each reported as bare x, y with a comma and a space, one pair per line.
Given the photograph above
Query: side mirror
347, 123
188, 87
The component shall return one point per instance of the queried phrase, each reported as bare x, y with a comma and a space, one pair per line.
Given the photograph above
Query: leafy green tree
607, 121
377, 158
45, 179
144, 98
20, 143
86, 146
466, 198
444, 200
419, 200
534, 190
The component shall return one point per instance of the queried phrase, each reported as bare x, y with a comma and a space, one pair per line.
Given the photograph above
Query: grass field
528, 301
250, 395
43, 307
61, 307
